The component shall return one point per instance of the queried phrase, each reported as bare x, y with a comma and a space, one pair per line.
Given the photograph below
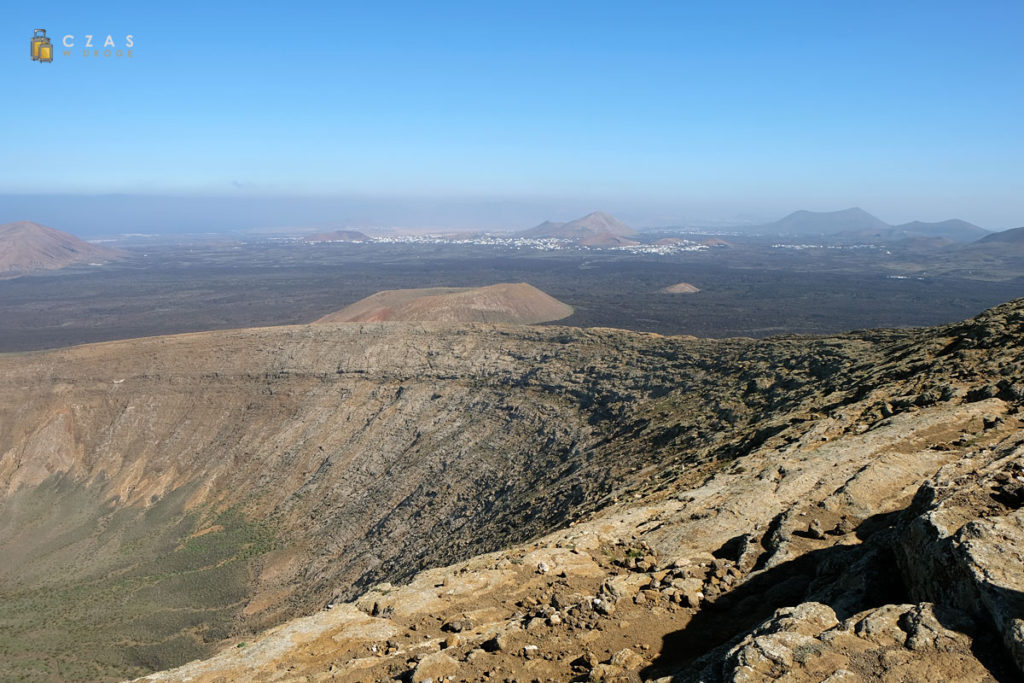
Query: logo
41, 48
110, 47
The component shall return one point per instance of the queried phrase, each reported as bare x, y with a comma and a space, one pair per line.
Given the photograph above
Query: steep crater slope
879, 540
162, 494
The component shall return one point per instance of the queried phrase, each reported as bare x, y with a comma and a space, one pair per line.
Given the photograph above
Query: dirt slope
518, 303
27, 247
760, 577
680, 288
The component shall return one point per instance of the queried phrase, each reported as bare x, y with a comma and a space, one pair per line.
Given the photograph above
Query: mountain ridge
594, 225
857, 224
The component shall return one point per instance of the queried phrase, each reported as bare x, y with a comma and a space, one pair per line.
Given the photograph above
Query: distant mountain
543, 230
953, 229
857, 225
338, 236
824, 223
1014, 236
519, 303
26, 247
591, 225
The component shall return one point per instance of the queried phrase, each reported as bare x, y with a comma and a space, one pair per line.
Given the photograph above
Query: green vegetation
94, 593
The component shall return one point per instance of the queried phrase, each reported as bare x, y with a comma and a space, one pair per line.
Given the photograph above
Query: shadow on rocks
811, 576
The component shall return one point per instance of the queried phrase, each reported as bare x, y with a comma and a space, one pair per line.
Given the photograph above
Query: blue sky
659, 110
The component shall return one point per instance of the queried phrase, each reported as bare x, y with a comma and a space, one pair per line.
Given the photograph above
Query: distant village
534, 243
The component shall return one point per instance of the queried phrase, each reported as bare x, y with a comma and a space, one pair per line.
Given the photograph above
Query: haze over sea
232, 116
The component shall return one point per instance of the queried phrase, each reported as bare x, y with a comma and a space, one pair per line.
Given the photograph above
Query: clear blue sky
908, 109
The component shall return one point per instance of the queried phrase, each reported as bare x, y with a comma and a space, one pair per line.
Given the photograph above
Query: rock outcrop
673, 590
964, 546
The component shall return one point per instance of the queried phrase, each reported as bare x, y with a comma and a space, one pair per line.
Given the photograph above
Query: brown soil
26, 247
680, 288
518, 303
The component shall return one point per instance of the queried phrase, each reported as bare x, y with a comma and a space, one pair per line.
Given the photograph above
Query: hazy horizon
93, 216
460, 115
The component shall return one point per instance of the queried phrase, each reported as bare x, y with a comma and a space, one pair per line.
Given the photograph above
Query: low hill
1013, 236
716, 243
996, 256
607, 239
954, 230
501, 303
591, 225
26, 247
679, 288
338, 236
824, 223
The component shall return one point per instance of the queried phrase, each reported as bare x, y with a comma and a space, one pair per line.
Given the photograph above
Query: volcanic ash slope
876, 536
562, 502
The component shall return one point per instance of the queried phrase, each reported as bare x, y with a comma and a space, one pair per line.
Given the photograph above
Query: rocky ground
814, 563
604, 505
879, 544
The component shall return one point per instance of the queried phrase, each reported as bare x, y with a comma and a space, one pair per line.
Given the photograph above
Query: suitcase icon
42, 49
